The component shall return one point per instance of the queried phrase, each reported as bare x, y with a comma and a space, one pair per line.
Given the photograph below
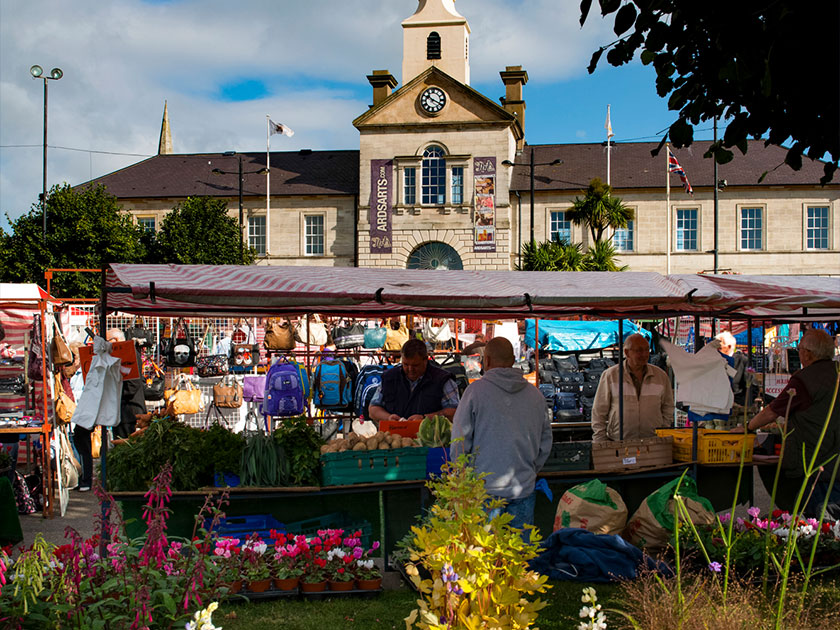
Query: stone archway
434, 255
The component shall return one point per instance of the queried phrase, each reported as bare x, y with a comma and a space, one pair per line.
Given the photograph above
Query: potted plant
340, 569
227, 560
255, 565
286, 568
314, 577
368, 575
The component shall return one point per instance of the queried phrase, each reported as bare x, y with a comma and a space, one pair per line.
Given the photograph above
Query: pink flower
375, 545
754, 512
357, 553
725, 518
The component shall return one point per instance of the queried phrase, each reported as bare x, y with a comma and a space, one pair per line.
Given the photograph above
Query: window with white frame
433, 175
623, 238
686, 229
559, 229
816, 227
457, 184
314, 235
752, 228
409, 185
256, 234
147, 223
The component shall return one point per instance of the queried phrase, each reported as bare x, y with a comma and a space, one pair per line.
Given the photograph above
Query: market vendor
648, 397
809, 394
415, 389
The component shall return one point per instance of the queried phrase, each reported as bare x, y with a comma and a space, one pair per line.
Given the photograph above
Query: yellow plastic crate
714, 447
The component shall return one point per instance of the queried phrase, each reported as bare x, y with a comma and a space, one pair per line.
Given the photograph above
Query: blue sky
223, 66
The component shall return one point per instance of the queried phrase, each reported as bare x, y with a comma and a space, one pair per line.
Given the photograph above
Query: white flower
365, 564
202, 619
589, 595
835, 529
781, 532
807, 531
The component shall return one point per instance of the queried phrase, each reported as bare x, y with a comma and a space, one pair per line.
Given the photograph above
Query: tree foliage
557, 255
200, 232
85, 229
769, 67
599, 210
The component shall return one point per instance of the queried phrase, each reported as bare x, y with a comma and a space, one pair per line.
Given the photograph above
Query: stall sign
484, 220
775, 383
123, 350
380, 206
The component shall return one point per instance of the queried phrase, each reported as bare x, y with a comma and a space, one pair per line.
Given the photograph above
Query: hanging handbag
211, 365
65, 406
155, 383
279, 335
59, 350
34, 370
184, 398
395, 337
245, 353
143, 337
253, 388
436, 331
95, 442
349, 336
228, 396
181, 350
375, 337
312, 334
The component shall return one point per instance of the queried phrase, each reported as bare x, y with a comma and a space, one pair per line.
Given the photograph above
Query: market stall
171, 290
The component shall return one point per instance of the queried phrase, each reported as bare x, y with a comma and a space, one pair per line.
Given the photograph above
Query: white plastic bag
364, 428
101, 398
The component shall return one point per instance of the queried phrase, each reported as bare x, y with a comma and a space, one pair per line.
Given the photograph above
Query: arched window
433, 46
435, 255
433, 177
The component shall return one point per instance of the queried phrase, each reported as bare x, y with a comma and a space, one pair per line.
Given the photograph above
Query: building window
256, 234
816, 235
410, 186
751, 228
686, 229
433, 46
623, 238
560, 228
457, 184
434, 177
147, 223
314, 234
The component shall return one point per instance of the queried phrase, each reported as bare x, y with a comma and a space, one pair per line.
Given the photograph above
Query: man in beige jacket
648, 397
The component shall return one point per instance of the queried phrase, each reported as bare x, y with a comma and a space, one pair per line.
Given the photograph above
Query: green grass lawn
385, 611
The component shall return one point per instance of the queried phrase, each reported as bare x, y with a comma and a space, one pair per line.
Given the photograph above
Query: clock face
433, 100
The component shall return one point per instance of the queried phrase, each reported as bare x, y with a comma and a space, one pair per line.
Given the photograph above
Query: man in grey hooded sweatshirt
503, 422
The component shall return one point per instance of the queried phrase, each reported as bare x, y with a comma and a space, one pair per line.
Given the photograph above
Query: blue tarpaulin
571, 336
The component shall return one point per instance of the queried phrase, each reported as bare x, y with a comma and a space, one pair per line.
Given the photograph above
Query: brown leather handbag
227, 396
59, 350
279, 335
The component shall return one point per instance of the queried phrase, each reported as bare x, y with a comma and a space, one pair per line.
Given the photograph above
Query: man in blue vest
415, 389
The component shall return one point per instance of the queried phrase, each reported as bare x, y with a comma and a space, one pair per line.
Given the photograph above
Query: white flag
278, 128
608, 124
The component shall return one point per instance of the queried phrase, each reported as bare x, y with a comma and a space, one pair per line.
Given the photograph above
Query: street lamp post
241, 174
531, 168
55, 74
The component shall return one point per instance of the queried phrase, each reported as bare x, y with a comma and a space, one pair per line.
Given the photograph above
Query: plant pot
286, 584
259, 586
369, 585
235, 586
313, 587
341, 586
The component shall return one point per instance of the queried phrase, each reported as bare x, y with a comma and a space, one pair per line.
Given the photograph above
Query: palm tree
553, 255
599, 210
601, 257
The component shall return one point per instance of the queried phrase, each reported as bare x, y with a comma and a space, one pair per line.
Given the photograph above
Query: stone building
442, 179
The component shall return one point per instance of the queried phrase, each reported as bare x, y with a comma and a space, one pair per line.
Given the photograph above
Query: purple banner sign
380, 206
484, 217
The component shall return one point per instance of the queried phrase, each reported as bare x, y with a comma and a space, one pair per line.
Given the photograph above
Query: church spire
436, 35
165, 146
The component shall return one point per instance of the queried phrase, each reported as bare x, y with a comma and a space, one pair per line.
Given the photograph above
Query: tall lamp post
55, 74
241, 174
531, 166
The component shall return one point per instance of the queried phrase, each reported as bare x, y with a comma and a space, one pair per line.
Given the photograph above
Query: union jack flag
674, 167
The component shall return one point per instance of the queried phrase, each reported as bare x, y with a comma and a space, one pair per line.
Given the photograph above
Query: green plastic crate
349, 467
569, 456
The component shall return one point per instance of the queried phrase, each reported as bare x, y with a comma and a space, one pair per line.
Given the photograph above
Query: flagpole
267, 184
609, 135
668, 209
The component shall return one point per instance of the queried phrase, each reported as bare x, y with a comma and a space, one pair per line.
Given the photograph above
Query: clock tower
436, 35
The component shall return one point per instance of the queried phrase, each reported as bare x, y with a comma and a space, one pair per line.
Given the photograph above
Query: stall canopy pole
45, 448
103, 451
620, 379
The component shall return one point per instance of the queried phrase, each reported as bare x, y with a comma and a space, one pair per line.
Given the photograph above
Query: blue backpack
332, 385
286, 389
370, 377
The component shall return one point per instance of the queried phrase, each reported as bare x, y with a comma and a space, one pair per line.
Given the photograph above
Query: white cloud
123, 58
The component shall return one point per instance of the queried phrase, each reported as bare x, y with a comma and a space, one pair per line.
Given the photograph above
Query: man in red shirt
809, 395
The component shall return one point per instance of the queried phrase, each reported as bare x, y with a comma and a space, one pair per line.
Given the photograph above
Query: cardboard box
629, 454
124, 350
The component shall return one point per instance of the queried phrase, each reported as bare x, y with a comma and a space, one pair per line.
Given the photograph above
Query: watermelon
435, 431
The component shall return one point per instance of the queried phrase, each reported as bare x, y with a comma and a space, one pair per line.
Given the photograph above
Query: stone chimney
383, 82
514, 77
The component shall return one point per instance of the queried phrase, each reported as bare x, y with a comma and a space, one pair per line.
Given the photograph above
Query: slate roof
633, 167
293, 173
